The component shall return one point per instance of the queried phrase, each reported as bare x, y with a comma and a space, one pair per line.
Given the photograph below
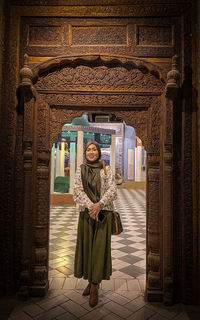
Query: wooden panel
44, 35
99, 35
154, 35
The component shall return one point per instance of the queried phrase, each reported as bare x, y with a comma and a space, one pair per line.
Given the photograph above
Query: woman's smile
92, 153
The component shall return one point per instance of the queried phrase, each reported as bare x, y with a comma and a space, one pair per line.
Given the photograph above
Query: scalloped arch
109, 61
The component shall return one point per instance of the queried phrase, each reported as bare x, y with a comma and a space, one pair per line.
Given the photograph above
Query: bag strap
104, 166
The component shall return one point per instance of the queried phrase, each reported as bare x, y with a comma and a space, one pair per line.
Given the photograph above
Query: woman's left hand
94, 210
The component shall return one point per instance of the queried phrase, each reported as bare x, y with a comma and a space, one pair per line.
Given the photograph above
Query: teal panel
61, 184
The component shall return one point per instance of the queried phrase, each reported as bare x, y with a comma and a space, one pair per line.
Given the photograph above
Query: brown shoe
93, 295
86, 292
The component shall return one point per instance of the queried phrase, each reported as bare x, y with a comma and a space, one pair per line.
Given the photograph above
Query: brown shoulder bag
116, 220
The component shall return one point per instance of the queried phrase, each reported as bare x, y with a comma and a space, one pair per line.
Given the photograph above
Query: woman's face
92, 153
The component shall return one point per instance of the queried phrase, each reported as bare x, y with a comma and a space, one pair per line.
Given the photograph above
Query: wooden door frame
42, 120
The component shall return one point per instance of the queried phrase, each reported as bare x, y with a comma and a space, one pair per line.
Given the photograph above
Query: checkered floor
128, 249
122, 297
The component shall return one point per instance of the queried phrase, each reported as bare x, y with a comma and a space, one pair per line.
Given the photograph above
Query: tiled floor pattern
122, 297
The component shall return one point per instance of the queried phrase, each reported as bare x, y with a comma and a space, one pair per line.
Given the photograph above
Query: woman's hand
94, 211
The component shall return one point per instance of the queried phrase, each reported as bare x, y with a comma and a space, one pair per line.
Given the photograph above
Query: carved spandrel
109, 79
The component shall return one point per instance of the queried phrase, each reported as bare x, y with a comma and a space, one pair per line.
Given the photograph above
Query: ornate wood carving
28, 138
131, 36
136, 118
103, 100
129, 10
171, 92
133, 9
98, 78
186, 169
154, 35
126, 64
41, 35
97, 2
99, 35
19, 196
49, 120
41, 228
154, 285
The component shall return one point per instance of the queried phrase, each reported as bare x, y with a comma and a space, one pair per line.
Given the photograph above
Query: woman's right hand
94, 211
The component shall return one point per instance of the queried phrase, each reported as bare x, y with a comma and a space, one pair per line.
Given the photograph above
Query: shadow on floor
7, 305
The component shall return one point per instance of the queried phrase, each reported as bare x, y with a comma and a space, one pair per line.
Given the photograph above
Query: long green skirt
93, 248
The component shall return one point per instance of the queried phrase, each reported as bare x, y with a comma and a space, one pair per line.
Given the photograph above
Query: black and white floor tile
128, 248
122, 297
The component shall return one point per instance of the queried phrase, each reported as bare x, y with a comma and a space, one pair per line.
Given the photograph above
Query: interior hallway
120, 298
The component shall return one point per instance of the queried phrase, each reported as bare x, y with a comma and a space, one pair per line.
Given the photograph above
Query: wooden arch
60, 89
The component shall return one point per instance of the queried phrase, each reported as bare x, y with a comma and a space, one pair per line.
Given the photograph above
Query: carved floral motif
98, 78
92, 100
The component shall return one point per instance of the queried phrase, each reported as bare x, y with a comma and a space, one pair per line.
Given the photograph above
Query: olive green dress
93, 248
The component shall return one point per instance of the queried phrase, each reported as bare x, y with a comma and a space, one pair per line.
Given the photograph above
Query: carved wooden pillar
154, 286
167, 189
41, 229
42, 181
154, 265
26, 107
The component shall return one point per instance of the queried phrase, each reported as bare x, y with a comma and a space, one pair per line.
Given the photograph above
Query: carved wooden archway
60, 89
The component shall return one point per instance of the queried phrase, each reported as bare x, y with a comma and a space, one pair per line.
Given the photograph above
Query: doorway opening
124, 152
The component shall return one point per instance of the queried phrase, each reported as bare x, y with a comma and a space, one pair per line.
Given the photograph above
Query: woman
94, 192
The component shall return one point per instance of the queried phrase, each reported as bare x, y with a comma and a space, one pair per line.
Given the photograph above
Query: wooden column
40, 283
154, 287
26, 107
167, 174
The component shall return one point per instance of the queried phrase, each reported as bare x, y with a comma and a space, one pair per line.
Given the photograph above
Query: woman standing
94, 192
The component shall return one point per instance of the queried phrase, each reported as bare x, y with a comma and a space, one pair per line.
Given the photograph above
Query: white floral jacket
108, 191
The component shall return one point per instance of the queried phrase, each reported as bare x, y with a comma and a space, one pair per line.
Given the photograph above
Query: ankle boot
86, 292
93, 295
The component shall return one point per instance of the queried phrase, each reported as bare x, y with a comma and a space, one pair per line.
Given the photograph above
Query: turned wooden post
26, 102
171, 92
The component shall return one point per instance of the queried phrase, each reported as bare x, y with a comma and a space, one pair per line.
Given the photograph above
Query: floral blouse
107, 195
